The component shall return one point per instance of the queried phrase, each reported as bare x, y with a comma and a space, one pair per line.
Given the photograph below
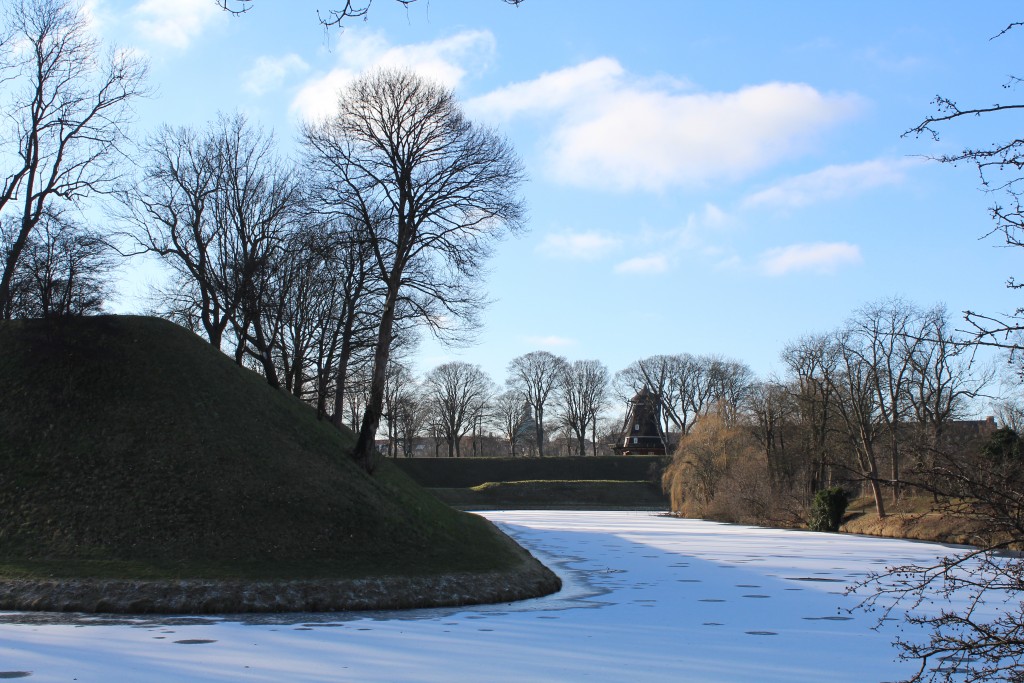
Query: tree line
313, 270
869, 404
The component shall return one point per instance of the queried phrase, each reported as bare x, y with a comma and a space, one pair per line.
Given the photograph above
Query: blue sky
704, 177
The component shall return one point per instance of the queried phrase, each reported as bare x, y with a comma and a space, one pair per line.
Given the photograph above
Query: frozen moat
646, 598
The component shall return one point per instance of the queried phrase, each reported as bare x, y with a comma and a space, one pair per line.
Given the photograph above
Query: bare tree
399, 383
536, 376
64, 269
728, 382
888, 334
459, 393
943, 376
811, 362
218, 207
66, 104
689, 386
668, 377
507, 416
770, 404
325, 303
412, 412
170, 211
999, 165
853, 383
980, 639
583, 394
433, 190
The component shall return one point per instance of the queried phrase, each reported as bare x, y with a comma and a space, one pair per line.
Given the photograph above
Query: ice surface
646, 598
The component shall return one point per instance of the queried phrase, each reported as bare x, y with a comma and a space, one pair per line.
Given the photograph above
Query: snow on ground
646, 598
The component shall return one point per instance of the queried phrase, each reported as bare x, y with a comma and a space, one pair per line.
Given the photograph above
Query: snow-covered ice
646, 598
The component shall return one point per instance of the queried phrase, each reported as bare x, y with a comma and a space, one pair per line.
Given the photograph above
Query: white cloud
269, 73
91, 11
551, 341
643, 265
585, 246
614, 131
174, 22
550, 91
883, 60
822, 258
832, 182
318, 98
660, 249
445, 60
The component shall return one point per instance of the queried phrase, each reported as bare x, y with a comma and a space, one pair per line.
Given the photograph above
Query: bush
1003, 444
828, 509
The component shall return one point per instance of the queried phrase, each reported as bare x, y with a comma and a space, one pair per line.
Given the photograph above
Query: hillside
130, 448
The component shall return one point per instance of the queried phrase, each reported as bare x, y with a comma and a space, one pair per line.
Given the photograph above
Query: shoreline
211, 596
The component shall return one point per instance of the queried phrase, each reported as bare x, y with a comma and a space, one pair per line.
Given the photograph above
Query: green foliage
828, 509
128, 442
1003, 444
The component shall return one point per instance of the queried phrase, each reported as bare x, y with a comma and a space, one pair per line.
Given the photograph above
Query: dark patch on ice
828, 618
302, 628
761, 633
15, 674
689, 580
711, 600
814, 578
546, 616
712, 623
747, 585
194, 641
757, 595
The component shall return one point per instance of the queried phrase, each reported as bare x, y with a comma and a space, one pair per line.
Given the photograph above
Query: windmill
641, 432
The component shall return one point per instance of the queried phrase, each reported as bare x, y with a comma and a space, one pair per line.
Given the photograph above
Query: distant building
641, 432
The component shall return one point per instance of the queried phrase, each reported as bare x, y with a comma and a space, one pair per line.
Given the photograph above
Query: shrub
1002, 444
828, 509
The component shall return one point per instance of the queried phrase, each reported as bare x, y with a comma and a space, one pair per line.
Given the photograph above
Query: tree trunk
364, 450
539, 415
344, 357
871, 467
894, 448
876, 493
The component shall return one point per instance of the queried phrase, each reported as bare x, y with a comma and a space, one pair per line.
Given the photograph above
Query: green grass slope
587, 494
129, 447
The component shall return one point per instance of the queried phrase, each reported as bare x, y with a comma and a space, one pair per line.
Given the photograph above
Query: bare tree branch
352, 9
